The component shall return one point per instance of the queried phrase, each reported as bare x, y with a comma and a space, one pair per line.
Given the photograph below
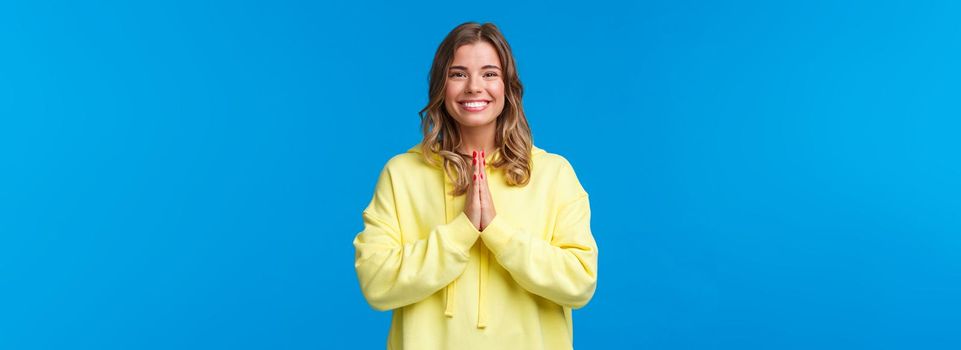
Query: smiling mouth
474, 106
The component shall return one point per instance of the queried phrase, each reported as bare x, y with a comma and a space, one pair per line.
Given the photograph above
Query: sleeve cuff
496, 235
462, 233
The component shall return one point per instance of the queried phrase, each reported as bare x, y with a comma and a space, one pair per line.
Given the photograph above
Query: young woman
476, 238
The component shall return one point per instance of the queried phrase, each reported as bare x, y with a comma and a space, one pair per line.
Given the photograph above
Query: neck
477, 138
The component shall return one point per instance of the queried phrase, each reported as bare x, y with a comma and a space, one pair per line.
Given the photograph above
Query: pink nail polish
475, 177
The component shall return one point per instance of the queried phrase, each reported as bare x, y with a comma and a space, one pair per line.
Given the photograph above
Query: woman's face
475, 87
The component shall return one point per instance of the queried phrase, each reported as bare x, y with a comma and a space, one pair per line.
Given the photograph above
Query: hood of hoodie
451, 212
535, 151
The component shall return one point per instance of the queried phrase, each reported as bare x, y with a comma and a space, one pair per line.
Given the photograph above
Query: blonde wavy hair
441, 134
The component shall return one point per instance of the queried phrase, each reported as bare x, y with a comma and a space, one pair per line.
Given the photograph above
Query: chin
474, 120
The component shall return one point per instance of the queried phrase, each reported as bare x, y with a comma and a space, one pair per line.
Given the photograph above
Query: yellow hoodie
451, 286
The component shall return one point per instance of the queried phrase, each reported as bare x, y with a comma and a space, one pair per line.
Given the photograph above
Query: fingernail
475, 160
482, 154
475, 177
482, 175
475, 154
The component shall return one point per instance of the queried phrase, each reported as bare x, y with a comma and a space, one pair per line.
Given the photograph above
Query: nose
474, 85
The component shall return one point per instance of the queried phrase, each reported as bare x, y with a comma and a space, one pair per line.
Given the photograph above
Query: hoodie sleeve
563, 270
393, 273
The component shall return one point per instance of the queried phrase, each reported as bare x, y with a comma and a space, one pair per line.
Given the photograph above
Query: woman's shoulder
557, 169
411, 157
406, 161
551, 162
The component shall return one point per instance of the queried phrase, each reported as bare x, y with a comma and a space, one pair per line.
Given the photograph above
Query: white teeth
475, 104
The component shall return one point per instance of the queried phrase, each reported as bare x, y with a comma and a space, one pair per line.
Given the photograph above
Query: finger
472, 188
485, 191
487, 203
483, 164
473, 168
483, 170
484, 188
478, 193
477, 174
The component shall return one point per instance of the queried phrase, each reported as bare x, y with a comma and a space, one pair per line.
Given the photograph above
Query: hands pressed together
479, 206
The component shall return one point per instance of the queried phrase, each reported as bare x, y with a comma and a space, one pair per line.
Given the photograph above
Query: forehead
476, 55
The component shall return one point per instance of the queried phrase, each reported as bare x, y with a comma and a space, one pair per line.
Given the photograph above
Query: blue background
763, 175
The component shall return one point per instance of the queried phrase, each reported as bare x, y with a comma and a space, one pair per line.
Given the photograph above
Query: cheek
450, 95
497, 90
497, 93
452, 91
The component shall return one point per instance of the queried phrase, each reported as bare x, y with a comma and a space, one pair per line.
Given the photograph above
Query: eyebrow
484, 67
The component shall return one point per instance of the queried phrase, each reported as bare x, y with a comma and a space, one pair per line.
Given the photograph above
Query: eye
490, 74
455, 75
